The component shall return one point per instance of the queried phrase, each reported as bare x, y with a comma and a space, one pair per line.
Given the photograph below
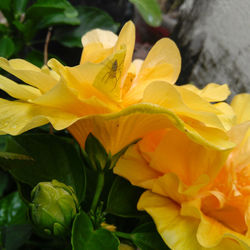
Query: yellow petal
81, 78
211, 137
18, 91
95, 53
108, 79
66, 99
133, 167
241, 106
183, 102
227, 116
119, 129
163, 52
126, 40
98, 45
212, 92
105, 37
28, 73
177, 231
17, 117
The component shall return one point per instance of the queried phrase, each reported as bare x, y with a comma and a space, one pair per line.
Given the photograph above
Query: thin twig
45, 60
46, 45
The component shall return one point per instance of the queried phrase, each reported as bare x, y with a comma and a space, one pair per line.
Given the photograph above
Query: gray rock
214, 39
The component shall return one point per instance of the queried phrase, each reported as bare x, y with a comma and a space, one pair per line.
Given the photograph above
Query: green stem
124, 235
98, 191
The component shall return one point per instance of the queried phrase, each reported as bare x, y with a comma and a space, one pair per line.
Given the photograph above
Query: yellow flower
114, 98
199, 197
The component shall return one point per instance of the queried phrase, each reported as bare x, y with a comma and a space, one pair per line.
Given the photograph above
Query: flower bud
53, 207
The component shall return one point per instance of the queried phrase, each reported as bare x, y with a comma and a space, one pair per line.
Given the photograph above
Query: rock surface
214, 39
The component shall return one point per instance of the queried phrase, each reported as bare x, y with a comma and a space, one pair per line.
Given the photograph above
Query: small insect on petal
108, 79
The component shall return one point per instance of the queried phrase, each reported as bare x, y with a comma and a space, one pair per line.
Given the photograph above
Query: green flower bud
53, 207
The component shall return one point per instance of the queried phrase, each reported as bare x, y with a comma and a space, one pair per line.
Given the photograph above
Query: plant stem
98, 191
124, 235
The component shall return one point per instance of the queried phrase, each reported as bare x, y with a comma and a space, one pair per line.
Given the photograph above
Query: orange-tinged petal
212, 92
17, 117
241, 106
186, 227
28, 73
18, 91
175, 153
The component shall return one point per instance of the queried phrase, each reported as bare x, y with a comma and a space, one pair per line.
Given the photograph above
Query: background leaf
146, 237
54, 158
46, 13
14, 236
123, 198
84, 236
7, 47
149, 10
19, 7
90, 18
12, 210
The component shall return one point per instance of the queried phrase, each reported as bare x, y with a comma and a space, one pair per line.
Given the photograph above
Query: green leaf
14, 156
146, 237
5, 7
7, 47
19, 7
4, 179
84, 237
123, 198
54, 158
3, 28
96, 153
15, 236
56, 19
47, 13
149, 10
90, 18
12, 210
35, 57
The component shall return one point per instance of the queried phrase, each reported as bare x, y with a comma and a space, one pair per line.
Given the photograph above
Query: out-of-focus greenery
25, 24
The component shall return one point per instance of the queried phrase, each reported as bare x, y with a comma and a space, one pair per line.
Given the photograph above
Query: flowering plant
185, 146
